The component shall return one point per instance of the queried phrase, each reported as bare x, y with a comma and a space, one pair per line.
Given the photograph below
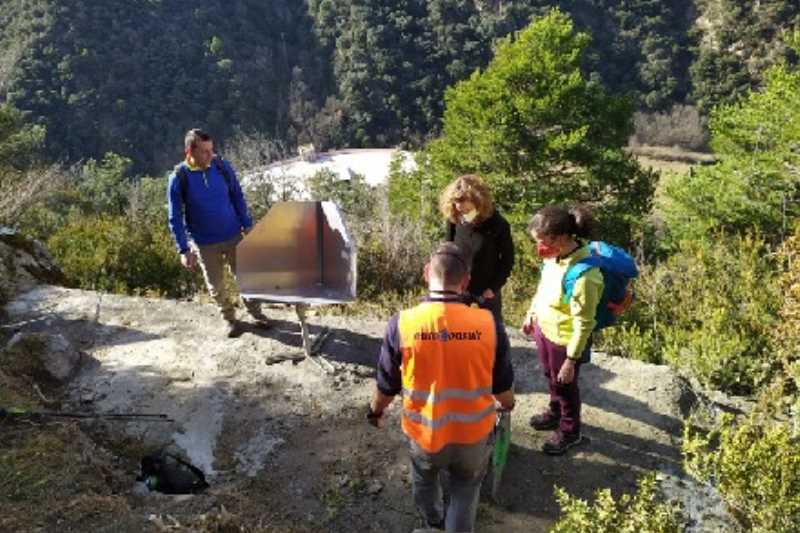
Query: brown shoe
261, 320
233, 329
545, 421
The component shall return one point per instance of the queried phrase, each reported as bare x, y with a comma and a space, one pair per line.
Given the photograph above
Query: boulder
24, 263
46, 357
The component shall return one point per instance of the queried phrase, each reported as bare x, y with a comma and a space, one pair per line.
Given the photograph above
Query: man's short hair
194, 136
448, 264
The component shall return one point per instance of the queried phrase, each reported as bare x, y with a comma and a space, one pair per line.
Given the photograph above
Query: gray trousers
466, 465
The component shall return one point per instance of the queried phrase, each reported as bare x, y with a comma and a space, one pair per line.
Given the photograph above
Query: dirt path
285, 444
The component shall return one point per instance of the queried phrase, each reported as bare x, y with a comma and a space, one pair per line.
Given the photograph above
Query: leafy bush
708, 309
103, 185
108, 232
755, 184
390, 260
756, 465
391, 249
755, 461
354, 196
641, 512
786, 336
112, 253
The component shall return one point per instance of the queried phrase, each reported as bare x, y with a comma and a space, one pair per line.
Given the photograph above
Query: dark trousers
495, 305
565, 399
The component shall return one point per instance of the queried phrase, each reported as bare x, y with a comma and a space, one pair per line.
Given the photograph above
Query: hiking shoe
233, 329
559, 442
544, 421
261, 320
430, 528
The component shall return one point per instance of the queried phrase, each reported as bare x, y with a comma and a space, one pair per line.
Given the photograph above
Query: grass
670, 159
50, 472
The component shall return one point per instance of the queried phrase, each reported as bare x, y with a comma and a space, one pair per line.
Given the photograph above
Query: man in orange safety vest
451, 363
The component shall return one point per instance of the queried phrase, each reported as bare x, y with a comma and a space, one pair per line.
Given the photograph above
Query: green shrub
391, 249
112, 253
104, 186
756, 143
637, 513
786, 336
632, 341
354, 196
709, 309
755, 464
755, 461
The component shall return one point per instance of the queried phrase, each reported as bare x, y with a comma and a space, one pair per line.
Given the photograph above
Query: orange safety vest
448, 356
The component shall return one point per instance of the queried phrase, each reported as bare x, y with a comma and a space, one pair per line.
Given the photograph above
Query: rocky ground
283, 439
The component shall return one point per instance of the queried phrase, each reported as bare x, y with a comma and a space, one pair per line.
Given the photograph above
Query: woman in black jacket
483, 235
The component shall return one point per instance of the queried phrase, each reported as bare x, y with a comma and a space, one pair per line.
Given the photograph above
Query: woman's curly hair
469, 187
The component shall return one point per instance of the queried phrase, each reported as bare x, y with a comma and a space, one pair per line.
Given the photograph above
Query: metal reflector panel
300, 252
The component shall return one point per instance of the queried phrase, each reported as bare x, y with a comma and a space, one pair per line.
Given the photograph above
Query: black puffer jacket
491, 248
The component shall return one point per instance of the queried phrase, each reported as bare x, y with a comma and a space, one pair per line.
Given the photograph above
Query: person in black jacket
483, 235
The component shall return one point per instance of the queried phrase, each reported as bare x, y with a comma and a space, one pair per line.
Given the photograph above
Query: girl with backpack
563, 329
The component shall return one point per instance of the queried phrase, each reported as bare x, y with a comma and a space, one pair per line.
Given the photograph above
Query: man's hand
380, 402
567, 372
488, 294
188, 260
374, 418
506, 400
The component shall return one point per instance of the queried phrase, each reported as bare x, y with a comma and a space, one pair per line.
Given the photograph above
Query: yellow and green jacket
567, 324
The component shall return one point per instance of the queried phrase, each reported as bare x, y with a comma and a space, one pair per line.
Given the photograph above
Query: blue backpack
618, 269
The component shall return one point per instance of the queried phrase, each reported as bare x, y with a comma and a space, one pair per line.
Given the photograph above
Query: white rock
52, 353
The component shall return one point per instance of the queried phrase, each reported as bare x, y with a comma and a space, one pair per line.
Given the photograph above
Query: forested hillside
130, 76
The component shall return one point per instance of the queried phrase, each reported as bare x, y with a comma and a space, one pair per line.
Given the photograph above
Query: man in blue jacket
206, 201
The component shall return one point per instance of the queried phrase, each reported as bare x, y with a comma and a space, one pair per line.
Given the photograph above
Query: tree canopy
131, 77
756, 184
540, 131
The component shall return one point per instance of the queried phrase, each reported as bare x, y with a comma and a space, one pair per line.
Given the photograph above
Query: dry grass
51, 473
670, 159
673, 154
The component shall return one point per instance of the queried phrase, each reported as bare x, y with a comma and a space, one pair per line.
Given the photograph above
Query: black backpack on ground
168, 473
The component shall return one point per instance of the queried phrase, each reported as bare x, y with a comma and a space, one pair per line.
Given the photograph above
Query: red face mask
545, 251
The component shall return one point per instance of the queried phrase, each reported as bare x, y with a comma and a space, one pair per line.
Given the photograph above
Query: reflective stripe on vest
463, 418
446, 394
448, 357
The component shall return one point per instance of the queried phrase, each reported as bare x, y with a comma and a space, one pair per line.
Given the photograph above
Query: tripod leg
308, 344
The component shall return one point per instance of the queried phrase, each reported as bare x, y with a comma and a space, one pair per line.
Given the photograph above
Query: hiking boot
545, 421
430, 528
260, 320
233, 329
559, 442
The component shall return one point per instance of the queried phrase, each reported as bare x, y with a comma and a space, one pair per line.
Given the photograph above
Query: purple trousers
565, 399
